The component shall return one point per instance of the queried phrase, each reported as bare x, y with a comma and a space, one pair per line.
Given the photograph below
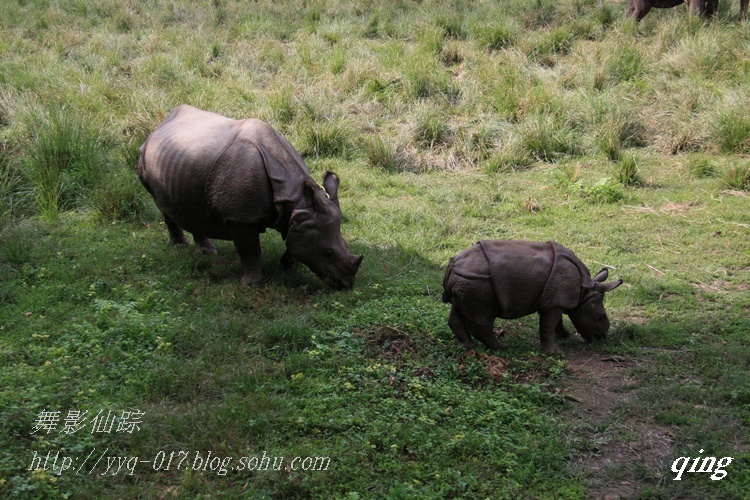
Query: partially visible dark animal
512, 278
703, 8
231, 179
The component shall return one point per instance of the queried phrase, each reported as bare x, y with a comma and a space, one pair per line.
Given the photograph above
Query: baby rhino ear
607, 287
331, 185
597, 282
601, 276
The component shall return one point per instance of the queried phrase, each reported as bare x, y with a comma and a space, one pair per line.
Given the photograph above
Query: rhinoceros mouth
339, 284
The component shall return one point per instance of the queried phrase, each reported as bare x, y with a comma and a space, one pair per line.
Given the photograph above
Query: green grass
447, 122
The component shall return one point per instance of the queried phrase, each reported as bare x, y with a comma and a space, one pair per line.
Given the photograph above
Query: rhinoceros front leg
560, 331
247, 243
548, 328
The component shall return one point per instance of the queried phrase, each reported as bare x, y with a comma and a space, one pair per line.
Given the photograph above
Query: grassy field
448, 122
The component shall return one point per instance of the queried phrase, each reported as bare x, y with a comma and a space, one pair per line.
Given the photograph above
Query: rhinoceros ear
601, 276
606, 287
331, 185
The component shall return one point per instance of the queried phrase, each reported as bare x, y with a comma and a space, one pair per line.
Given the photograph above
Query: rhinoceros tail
446, 295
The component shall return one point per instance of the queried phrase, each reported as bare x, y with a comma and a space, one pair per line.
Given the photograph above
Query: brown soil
616, 444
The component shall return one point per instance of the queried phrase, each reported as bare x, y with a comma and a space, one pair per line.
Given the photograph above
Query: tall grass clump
615, 124
702, 168
738, 178
452, 26
547, 137
11, 192
424, 77
121, 197
430, 128
324, 138
282, 106
732, 130
65, 161
387, 155
627, 171
626, 64
496, 36
558, 41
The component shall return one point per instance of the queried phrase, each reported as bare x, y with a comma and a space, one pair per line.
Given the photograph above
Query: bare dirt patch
388, 342
613, 444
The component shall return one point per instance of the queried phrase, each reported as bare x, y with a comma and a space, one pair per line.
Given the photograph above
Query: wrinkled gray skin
512, 278
704, 8
231, 179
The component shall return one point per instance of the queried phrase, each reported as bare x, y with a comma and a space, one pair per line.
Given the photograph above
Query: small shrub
627, 173
738, 178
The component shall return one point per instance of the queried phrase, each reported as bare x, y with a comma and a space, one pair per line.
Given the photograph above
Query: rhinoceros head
314, 235
590, 318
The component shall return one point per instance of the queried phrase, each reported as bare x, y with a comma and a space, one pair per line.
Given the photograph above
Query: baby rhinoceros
512, 278
216, 177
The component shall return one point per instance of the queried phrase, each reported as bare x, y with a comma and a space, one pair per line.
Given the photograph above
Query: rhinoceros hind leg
204, 245
176, 236
485, 335
457, 323
247, 243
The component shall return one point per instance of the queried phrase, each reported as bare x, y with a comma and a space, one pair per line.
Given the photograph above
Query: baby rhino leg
485, 335
458, 325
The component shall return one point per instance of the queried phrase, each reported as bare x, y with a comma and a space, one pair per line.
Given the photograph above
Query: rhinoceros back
205, 170
532, 276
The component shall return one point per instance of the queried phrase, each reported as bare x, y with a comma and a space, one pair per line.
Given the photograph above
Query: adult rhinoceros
216, 177
703, 8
